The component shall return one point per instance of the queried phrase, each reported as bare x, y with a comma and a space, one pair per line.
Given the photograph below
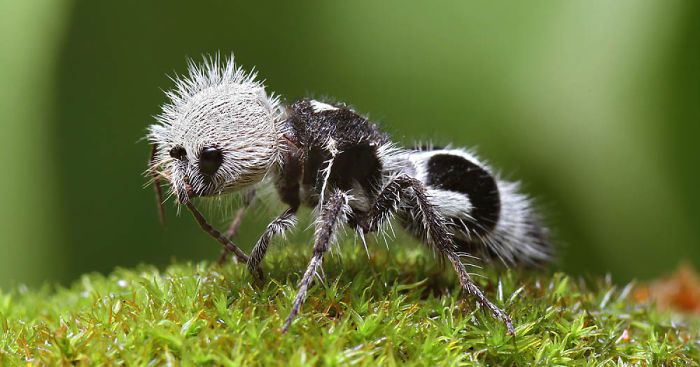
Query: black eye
209, 160
178, 152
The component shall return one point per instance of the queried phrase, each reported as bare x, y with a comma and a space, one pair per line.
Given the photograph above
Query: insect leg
228, 245
284, 222
471, 288
248, 199
333, 213
436, 232
387, 202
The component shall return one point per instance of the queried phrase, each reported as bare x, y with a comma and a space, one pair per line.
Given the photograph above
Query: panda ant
221, 132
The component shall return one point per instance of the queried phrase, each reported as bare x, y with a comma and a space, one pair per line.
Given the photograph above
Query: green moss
399, 309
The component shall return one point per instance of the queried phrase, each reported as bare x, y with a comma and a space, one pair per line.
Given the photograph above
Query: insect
221, 132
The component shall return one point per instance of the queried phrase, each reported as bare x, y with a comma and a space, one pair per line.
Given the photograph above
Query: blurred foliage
30, 38
592, 104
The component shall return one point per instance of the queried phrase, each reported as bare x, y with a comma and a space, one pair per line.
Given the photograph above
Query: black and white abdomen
488, 216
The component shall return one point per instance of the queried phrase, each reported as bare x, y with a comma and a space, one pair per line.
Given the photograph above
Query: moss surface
395, 309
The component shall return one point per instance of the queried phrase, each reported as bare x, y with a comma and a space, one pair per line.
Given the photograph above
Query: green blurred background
595, 105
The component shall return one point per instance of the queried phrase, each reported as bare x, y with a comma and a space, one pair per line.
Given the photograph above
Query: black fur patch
356, 139
455, 173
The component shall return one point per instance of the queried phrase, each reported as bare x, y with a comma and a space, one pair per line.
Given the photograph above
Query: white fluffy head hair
218, 106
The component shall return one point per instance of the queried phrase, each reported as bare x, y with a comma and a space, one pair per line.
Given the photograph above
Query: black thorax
318, 136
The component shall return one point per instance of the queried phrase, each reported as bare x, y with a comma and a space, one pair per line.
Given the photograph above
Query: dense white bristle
218, 104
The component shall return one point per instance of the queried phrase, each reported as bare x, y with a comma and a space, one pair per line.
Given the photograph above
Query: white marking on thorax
321, 107
332, 148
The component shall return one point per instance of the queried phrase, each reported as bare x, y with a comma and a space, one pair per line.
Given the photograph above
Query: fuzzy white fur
217, 104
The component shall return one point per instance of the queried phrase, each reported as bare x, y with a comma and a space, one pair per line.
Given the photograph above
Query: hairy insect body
221, 132
335, 148
488, 217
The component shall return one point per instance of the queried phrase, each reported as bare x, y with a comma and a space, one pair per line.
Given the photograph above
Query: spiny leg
333, 213
281, 224
248, 199
435, 232
228, 245
471, 288
387, 202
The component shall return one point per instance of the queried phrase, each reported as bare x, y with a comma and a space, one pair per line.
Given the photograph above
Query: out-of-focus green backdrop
594, 105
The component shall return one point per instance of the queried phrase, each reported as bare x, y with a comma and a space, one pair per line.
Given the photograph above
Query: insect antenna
156, 185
